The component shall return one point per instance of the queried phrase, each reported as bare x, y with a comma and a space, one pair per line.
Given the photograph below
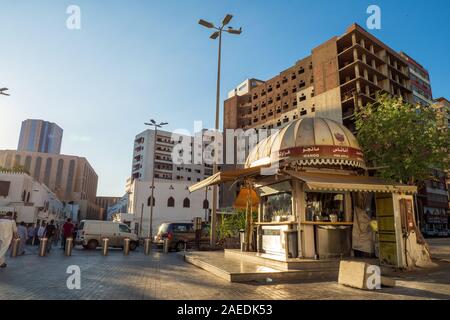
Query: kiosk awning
226, 176
337, 182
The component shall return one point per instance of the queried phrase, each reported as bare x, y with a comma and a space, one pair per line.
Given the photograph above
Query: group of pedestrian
32, 235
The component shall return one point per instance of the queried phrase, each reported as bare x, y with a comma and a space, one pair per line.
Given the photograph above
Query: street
167, 276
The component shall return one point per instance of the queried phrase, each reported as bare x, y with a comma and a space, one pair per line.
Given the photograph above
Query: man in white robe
8, 230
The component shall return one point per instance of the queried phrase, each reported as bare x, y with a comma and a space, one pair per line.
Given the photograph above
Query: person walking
31, 233
8, 230
22, 232
50, 233
68, 228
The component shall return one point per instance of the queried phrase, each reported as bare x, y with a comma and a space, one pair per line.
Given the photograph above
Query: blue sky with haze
136, 59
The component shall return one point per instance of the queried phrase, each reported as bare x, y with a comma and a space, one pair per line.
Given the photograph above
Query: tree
16, 169
402, 140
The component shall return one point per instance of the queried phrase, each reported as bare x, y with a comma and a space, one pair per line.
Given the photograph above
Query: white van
91, 232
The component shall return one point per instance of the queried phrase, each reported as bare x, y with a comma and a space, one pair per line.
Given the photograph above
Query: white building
166, 168
31, 200
173, 202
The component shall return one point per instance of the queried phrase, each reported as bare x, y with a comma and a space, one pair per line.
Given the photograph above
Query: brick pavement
166, 276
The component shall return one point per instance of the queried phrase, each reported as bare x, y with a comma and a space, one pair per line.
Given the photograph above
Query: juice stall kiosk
316, 200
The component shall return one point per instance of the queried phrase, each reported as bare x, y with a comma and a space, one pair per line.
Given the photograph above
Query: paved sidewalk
167, 276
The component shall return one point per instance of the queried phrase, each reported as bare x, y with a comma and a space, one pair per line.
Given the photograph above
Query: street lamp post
3, 91
214, 36
156, 125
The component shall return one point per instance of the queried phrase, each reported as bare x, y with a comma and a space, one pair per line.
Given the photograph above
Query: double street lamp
3, 91
217, 34
156, 125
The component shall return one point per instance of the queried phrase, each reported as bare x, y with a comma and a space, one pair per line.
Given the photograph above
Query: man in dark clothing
50, 232
67, 232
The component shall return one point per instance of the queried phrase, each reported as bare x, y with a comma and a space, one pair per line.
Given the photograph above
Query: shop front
320, 204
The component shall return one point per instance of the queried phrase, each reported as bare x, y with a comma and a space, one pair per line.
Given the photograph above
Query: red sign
315, 152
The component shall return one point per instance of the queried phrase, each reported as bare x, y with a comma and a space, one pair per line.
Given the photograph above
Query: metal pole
15, 247
150, 233
214, 195
126, 246
69, 247
206, 199
140, 224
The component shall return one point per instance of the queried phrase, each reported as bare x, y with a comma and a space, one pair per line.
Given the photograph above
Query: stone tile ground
167, 276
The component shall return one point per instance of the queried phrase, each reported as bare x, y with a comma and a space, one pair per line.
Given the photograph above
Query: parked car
180, 234
91, 232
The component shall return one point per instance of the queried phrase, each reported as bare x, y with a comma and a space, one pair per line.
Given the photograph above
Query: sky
133, 60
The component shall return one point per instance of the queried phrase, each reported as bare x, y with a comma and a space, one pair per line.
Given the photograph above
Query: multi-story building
40, 136
105, 203
71, 178
340, 74
166, 168
419, 82
30, 200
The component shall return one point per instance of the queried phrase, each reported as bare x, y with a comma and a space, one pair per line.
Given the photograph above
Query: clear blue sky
136, 59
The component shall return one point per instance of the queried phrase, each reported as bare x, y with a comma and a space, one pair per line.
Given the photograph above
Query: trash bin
333, 241
291, 237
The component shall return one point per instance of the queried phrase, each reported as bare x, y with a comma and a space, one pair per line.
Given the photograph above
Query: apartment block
341, 74
166, 168
420, 82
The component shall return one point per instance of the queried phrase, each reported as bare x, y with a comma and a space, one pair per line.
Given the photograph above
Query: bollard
105, 246
147, 246
166, 245
15, 247
69, 247
126, 246
43, 247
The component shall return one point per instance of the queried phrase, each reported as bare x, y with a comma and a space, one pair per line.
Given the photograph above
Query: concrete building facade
31, 200
420, 82
172, 202
340, 74
166, 168
71, 178
40, 136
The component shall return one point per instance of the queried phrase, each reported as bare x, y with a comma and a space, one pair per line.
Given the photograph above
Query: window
302, 98
301, 70
148, 201
186, 203
301, 84
171, 202
124, 228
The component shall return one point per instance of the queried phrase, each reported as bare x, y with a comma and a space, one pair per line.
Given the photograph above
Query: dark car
180, 234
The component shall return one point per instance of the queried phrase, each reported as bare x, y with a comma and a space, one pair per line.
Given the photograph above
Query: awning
337, 182
227, 176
